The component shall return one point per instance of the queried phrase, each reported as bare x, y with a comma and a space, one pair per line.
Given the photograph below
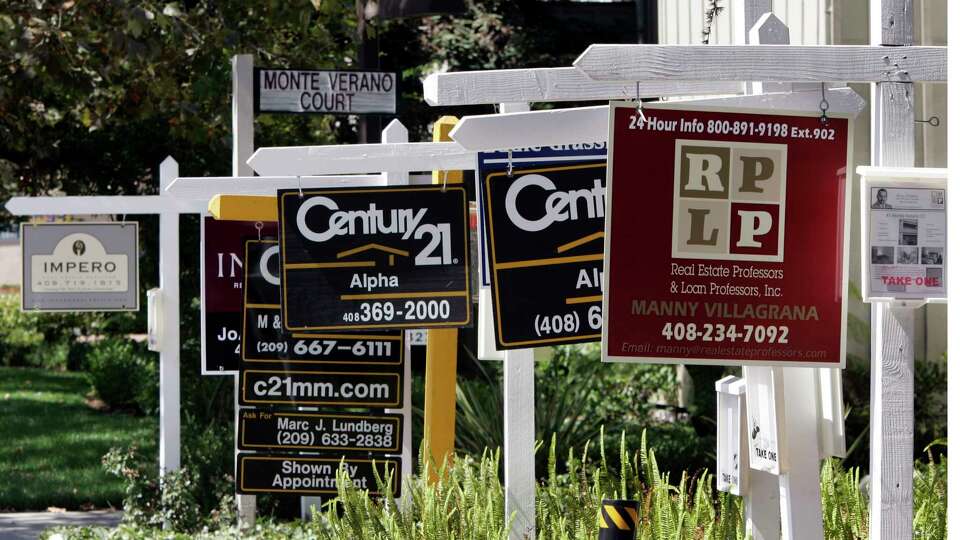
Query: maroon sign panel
726, 237
221, 319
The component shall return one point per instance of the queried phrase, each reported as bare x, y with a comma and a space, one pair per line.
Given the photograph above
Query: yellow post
440, 393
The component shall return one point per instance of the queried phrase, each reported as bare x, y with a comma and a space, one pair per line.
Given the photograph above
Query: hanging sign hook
640, 115
824, 105
509, 163
299, 186
258, 226
934, 121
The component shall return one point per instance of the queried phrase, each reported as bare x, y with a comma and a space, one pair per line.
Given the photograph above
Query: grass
51, 442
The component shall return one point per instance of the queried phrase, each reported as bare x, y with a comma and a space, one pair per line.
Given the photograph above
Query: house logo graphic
729, 200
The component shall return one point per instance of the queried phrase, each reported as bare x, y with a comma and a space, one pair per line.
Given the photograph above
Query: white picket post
761, 504
242, 65
170, 341
519, 431
395, 132
891, 373
242, 123
800, 508
953, 246
520, 480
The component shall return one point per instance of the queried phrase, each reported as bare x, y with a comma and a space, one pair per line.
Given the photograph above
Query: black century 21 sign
544, 226
379, 257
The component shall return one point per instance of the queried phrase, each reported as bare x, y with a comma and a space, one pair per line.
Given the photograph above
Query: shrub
19, 334
119, 372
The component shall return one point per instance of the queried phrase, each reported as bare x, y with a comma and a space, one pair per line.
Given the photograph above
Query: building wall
682, 21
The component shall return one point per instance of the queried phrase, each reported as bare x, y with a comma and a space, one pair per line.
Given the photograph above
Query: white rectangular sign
904, 212
80, 266
324, 92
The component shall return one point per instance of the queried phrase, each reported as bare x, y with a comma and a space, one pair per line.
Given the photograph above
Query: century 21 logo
407, 222
729, 200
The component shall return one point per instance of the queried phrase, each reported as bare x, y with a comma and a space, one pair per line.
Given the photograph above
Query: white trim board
105, 204
488, 132
764, 63
360, 158
552, 84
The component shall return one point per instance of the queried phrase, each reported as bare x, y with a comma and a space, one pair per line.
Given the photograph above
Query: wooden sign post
169, 209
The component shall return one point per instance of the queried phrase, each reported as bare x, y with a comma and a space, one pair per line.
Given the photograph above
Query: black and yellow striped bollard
619, 519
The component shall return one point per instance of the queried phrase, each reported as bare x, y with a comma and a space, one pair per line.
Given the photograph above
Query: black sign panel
392, 257
265, 341
320, 388
312, 475
545, 231
271, 431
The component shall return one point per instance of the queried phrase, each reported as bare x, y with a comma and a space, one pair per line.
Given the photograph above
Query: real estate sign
221, 290
80, 266
543, 212
364, 258
904, 216
726, 237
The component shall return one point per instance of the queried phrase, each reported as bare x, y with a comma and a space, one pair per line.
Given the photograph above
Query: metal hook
933, 121
258, 226
299, 186
443, 187
824, 104
510, 163
640, 116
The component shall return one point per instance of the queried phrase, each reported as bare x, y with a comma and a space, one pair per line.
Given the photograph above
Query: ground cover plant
53, 441
467, 504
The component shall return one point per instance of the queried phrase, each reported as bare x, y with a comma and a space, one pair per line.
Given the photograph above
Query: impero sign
726, 237
544, 225
80, 267
374, 258
325, 92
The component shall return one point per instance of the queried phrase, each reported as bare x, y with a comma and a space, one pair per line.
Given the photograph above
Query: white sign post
169, 208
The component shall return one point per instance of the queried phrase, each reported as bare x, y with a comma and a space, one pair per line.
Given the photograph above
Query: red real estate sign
726, 237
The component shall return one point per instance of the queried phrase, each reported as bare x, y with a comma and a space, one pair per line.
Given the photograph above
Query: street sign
272, 431
543, 216
324, 92
904, 233
726, 237
80, 266
221, 290
313, 475
265, 341
393, 257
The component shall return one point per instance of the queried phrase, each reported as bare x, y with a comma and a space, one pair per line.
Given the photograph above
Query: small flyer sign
80, 266
904, 233
366, 258
273, 431
265, 341
313, 475
726, 237
543, 217
221, 290
324, 91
